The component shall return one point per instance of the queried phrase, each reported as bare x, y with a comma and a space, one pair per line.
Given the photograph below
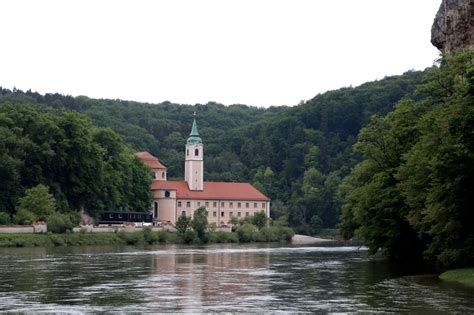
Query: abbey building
223, 201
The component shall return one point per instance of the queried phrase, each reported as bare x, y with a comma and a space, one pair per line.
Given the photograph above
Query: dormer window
167, 194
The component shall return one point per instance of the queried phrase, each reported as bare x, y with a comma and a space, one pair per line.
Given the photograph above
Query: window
199, 203
263, 205
255, 205
246, 214
163, 175
230, 214
187, 152
231, 204
239, 205
167, 194
214, 214
222, 204
179, 203
222, 213
207, 204
188, 203
214, 204
196, 152
238, 214
246, 205
183, 213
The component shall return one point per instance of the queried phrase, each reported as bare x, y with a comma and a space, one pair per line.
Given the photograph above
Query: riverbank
306, 240
464, 276
144, 237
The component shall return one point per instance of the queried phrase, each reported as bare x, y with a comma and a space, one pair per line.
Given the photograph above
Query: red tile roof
149, 160
212, 191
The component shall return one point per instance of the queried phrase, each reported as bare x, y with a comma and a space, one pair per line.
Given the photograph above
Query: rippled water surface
227, 278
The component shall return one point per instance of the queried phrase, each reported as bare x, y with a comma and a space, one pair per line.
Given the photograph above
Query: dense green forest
296, 155
411, 195
54, 160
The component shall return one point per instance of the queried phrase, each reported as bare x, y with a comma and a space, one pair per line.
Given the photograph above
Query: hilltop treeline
296, 155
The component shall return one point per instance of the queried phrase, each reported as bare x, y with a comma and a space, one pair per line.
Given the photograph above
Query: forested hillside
59, 157
297, 155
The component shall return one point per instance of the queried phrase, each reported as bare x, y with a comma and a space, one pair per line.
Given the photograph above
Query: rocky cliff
453, 27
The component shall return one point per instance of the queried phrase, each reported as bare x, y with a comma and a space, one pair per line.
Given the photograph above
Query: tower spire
194, 137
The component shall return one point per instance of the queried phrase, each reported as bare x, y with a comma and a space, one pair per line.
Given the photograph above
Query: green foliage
38, 201
190, 237
247, 233
464, 276
24, 217
315, 224
259, 219
272, 148
222, 237
131, 238
4, 218
199, 222
183, 224
59, 223
411, 195
83, 166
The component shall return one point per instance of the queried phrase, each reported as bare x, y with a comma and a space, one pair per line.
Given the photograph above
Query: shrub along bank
464, 276
246, 233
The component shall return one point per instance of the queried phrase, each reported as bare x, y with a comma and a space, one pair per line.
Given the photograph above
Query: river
218, 278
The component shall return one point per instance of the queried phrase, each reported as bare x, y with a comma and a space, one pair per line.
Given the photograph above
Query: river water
218, 278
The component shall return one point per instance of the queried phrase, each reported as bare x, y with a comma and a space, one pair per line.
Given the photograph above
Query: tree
38, 201
259, 219
412, 193
182, 224
199, 222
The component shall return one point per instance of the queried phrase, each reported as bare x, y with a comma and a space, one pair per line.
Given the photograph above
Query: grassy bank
464, 276
143, 237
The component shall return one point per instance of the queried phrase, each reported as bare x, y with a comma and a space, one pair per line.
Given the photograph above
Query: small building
172, 199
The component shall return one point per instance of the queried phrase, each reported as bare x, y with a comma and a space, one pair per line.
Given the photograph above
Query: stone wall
24, 229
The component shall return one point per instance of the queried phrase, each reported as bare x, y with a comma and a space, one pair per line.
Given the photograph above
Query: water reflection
230, 278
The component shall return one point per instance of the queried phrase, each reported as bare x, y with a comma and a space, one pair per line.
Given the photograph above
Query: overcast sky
254, 52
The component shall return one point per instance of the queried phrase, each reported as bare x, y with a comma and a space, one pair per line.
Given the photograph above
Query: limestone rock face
453, 27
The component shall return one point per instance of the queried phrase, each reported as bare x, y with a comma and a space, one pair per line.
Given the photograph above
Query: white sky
254, 52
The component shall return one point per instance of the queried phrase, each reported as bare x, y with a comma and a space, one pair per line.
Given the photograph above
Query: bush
131, 238
199, 223
59, 223
4, 218
247, 233
38, 201
259, 219
285, 233
24, 217
149, 236
222, 237
268, 234
182, 224
190, 237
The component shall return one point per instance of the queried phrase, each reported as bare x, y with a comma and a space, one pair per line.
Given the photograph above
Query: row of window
214, 204
214, 214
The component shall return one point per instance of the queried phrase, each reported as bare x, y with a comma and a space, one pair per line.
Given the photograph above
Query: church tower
194, 164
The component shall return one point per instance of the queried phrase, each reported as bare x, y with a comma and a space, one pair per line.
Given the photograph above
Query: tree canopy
411, 194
